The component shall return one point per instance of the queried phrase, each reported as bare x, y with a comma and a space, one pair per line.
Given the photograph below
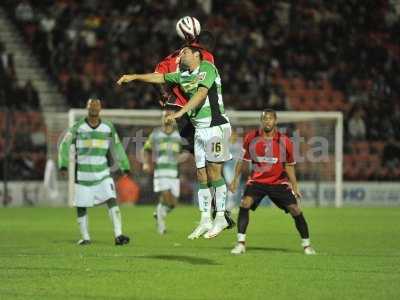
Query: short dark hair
93, 99
207, 40
196, 49
269, 111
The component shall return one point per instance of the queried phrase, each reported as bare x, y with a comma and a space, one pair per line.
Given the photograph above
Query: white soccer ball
188, 28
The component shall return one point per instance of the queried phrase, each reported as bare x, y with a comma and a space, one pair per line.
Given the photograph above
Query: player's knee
173, 202
202, 175
213, 172
161, 197
111, 202
246, 202
214, 177
167, 197
294, 210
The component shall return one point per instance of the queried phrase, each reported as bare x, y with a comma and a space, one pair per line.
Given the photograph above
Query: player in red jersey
171, 96
273, 175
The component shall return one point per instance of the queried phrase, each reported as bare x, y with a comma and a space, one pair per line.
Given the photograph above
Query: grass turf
358, 256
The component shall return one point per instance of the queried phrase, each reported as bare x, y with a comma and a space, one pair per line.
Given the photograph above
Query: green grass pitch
358, 256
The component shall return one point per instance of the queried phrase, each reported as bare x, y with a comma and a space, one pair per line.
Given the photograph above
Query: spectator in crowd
356, 128
30, 96
24, 12
391, 154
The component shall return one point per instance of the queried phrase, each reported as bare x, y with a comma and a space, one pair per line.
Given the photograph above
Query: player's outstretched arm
148, 78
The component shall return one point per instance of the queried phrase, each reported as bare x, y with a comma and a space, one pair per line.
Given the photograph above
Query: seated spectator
24, 12
38, 137
357, 95
391, 154
276, 100
356, 128
23, 166
22, 138
31, 96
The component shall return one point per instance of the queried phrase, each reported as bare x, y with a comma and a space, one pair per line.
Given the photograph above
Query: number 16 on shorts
218, 150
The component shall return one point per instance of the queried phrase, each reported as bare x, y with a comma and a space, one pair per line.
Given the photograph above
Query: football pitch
358, 256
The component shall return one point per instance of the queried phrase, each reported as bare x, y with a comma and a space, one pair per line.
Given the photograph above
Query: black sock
301, 226
111, 203
243, 220
81, 211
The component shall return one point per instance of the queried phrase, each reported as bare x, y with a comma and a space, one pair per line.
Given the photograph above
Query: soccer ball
188, 28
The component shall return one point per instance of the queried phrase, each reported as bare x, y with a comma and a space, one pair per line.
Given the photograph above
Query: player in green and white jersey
201, 83
93, 139
164, 147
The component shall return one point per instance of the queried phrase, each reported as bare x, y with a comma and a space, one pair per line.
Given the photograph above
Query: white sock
161, 211
220, 195
305, 242
205, 217
241, 237
84, 227
115, 216
205, 198
230, 201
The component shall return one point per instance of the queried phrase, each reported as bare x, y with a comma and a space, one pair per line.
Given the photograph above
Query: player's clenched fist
126, 78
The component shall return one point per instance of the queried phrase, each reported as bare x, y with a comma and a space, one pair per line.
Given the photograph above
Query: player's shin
205, 198
242, 223
168, 202
213, 208
301, 226
220, 195
115, 216
161, 210
83, 223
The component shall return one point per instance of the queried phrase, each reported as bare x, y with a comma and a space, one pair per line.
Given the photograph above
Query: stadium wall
34, 193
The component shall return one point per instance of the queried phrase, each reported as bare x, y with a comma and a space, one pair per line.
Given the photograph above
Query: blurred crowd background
313, 55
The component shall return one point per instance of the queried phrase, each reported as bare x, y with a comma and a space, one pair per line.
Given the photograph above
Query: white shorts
88, 196
162, 184
212, 144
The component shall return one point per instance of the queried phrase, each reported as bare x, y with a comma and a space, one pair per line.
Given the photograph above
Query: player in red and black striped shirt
273, 175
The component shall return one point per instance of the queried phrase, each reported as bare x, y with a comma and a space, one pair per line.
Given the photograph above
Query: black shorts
185, 128
280, 194
186, 131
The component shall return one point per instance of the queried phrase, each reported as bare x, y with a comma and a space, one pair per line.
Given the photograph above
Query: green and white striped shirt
93, 146
211, 113
166, 149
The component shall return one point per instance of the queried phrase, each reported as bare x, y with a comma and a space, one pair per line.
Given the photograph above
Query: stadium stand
301, 55
25, 136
